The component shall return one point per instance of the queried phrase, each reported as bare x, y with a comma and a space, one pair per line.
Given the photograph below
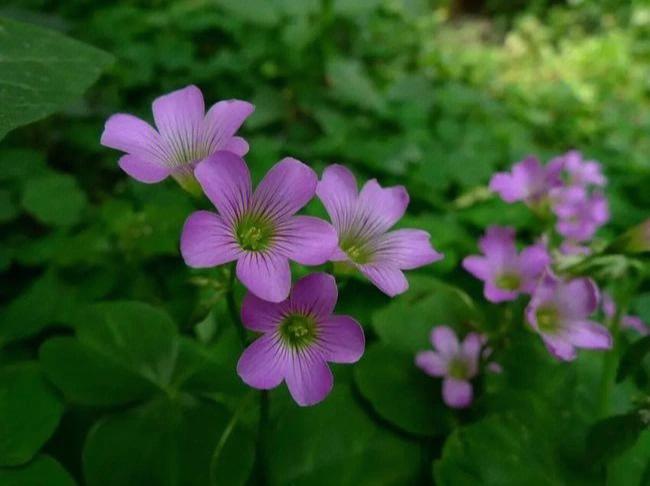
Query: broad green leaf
499, 450
400, 392
632, 468
610, 437
406, 322
48, 301
54, 199
42, 468
8, 207
633, 358
29, 413
336, 442
41, 71
136, 335
88, 377
167, 443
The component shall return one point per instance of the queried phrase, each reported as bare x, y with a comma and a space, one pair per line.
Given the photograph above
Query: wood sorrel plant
260, 231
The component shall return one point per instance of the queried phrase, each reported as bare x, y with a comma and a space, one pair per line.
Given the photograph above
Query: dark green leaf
633, 358
41, 71
54, 199
610, 437
400, 392
29, 413
335, 442
41, 469
166, 443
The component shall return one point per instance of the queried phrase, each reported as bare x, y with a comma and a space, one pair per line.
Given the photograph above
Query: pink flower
456, 362
559, 312
581, 172
185, 136
260, 229
362, 220
505, 272
529, 181
299, 336
580, 214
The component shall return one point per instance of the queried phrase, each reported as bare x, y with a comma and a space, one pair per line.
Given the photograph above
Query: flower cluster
260, 231
559, 307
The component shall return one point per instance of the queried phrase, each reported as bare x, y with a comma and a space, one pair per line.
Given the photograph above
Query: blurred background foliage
436, 95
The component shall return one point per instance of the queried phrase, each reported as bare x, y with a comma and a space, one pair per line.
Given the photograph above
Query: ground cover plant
376, 242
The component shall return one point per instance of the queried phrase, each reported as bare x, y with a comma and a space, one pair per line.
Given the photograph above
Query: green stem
227, 431
610, 360
232, 307
261, 436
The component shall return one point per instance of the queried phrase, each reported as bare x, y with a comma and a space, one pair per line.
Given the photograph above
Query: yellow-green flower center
254, 233
508, 281
356, 250
457, 368
298, 330
547, 319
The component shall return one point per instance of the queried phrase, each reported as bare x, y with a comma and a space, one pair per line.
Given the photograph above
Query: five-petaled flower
529, 181
579, 212
505, 272
257, 229
362, 220
559, 311
300, 335
456, 362
185, 136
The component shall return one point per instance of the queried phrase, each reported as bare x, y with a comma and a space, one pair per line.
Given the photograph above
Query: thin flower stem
225, 435
261, 435
610, 359
232, 307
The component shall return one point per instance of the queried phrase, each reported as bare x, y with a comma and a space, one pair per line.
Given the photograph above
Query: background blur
436, 95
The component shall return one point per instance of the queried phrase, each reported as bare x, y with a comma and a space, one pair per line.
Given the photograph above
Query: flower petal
341, 339
237, 145
263, 364
286, 188
267, 275
495, 295
406, 248
141, 170
226, 181
588, 334
222, 122
261, 315
306, 240
578, 298
478, 266
431, 363
315, 294
444, 340
532, 262
498, 245
559, 347
136, 137
207, 241
457, 393
388, 279
383, 206
308, 377
179, 117
337, 190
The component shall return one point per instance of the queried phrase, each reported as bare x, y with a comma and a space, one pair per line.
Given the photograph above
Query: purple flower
529, 181
260, 229
627, 322
185, 136
579, 213
581, 172
457, 363
300, 335
505, 272
559, 312
362, 220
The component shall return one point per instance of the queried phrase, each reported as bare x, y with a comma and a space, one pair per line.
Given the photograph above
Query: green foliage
135, 380
42, 71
